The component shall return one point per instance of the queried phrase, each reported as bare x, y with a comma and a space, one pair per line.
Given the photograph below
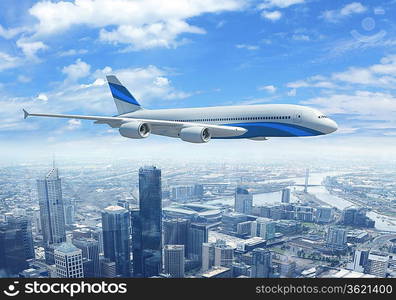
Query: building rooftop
114, 208
66, 248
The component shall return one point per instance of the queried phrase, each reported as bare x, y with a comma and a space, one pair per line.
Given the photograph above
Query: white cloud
7, 61
271, 15
268, 88
42, 97
292, 93
301, 37
366, 105
279, 3
247, 47
12, 32
24, 79
347, 10
73, 52
140, 24
73, 124
79, 69
30, 48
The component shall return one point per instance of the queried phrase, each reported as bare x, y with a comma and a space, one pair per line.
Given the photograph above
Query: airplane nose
331, 126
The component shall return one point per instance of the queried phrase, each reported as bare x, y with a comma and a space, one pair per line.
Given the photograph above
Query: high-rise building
137, 250
336, 238
150, 206
264, 228
68, 261
285, 195
108, 268
176, 232
224, 255
208, 256
261, 263
90, 251
12, 250
378, 264
197, 235
360, 260
52, 213
174, 260
116, 242
23, 223
243, 201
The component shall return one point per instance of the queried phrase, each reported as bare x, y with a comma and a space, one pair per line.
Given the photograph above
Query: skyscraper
23, 223
90, 251
243, 201
306, 181
12, 250
176, 232
261, 263
223, 254
197, 235
68, 261
378, 264
174, 260
336, 238
116, 243
150, 205
51, 211
360, 260
285, 195
137, 250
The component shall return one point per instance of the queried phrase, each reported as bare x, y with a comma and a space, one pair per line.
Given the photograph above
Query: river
381, 222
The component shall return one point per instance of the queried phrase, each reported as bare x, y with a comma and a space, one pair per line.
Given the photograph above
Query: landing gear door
297, 117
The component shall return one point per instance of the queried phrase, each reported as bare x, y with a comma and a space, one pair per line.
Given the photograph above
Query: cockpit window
322, 116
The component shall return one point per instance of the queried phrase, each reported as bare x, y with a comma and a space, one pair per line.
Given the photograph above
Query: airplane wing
115, 122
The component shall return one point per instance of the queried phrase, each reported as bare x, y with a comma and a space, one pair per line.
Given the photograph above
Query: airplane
200, 125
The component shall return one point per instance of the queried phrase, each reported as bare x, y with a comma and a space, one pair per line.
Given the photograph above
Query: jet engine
135, 130
195, 134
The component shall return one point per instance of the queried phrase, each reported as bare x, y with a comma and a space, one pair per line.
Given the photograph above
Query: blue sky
336, 56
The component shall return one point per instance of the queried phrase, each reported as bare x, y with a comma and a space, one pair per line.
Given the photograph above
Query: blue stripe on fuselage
271, 129
121, 93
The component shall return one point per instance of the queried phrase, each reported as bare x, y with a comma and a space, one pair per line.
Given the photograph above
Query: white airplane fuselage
267, 120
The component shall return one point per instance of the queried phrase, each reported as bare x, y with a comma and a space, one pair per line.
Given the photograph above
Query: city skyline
329, 228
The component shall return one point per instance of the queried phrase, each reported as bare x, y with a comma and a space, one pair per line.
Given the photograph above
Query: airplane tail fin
123, 99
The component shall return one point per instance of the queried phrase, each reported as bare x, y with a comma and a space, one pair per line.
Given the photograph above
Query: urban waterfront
126, 219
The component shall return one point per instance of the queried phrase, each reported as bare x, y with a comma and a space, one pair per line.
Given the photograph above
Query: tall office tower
90, 251
360, 260
306, 181
150, 205
108, 268
174, 260
137, 250
264, 228
285, 195
198, 234
23, 223
224, 254
116, 242
97, 234
12, 250
324, 214
336, 238
208, 256
52, 213
69, 213
243, 201
123, 203
68, 261
378, 264
176, 232
261, 263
